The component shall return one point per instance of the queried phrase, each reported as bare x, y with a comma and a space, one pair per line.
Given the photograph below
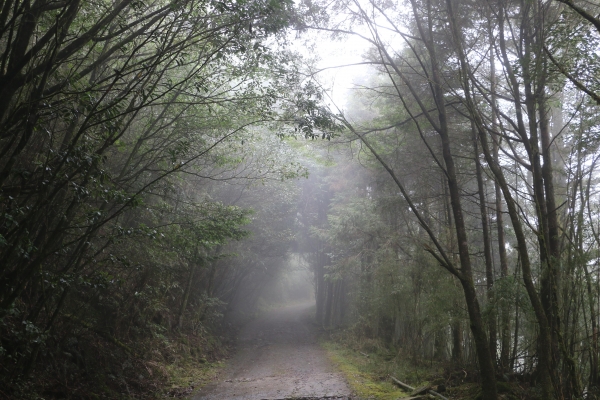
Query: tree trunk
545, 337
186, 296
320, 291
504, 307
487, 250
457, 343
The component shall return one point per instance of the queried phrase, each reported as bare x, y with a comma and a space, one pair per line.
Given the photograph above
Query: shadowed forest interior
172, 169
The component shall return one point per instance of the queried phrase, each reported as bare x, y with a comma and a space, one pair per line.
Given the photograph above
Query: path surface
278, 357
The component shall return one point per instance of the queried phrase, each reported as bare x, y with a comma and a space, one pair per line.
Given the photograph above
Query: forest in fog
170, 169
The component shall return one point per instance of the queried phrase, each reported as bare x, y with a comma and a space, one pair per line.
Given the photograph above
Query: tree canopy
166, 165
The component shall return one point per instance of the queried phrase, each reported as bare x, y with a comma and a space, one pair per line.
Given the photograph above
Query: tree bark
487, 250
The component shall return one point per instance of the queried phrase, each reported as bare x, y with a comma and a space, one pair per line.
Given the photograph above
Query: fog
294, 284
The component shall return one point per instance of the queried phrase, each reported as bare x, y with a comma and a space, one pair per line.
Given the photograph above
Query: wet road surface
278, 357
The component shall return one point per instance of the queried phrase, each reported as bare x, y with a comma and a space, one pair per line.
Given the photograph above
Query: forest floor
279, 357
285, 355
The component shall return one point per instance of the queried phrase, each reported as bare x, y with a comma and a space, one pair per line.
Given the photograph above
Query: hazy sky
331, 53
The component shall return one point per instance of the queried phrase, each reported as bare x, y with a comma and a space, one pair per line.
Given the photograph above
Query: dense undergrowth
86, 366
368, 365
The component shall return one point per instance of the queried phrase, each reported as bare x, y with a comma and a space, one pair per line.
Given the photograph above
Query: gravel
278, 357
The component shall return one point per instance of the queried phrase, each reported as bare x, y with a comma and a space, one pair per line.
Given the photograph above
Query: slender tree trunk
515, 347
487, 249
457, 343
545, 336
186, 296
488, 376
320, 291
329, 303
504, 306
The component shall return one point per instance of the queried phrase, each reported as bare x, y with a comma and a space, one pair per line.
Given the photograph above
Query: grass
367, 376
186, 377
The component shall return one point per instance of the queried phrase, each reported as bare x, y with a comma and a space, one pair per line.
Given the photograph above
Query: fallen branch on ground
411, 389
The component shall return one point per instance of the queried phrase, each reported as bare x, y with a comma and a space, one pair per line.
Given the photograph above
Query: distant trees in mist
479, 205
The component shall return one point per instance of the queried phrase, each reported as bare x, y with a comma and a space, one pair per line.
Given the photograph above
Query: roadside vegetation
366, 373
369, 368
467, 232
134, 135
163, 163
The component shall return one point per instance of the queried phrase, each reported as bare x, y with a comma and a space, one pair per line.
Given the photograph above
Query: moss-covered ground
368, 368
368, 374
185, 378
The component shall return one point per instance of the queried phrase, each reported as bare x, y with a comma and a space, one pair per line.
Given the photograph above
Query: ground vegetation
469, 237
133, 134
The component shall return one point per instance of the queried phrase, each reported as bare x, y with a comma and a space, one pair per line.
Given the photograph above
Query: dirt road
278, 357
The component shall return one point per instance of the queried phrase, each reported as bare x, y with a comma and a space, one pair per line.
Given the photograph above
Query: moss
192, 373
465, 391
359, 374
367, 375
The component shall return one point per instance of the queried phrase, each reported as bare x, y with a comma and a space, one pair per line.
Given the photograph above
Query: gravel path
278, 358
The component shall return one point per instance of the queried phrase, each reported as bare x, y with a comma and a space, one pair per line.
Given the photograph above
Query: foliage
480, 159
117, 118
369, 376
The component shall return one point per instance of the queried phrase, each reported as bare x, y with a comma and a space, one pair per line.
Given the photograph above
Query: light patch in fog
293, 285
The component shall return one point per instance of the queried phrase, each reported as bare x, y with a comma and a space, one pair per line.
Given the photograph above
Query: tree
106, 108
429, 99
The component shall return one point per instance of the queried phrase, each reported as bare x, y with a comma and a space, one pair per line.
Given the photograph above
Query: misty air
299, 199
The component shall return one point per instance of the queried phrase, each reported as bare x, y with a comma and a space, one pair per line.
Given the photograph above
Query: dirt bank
278, 358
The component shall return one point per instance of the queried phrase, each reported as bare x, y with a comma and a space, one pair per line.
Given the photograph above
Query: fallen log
421, 390
436, 394
402, 384
412, 389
